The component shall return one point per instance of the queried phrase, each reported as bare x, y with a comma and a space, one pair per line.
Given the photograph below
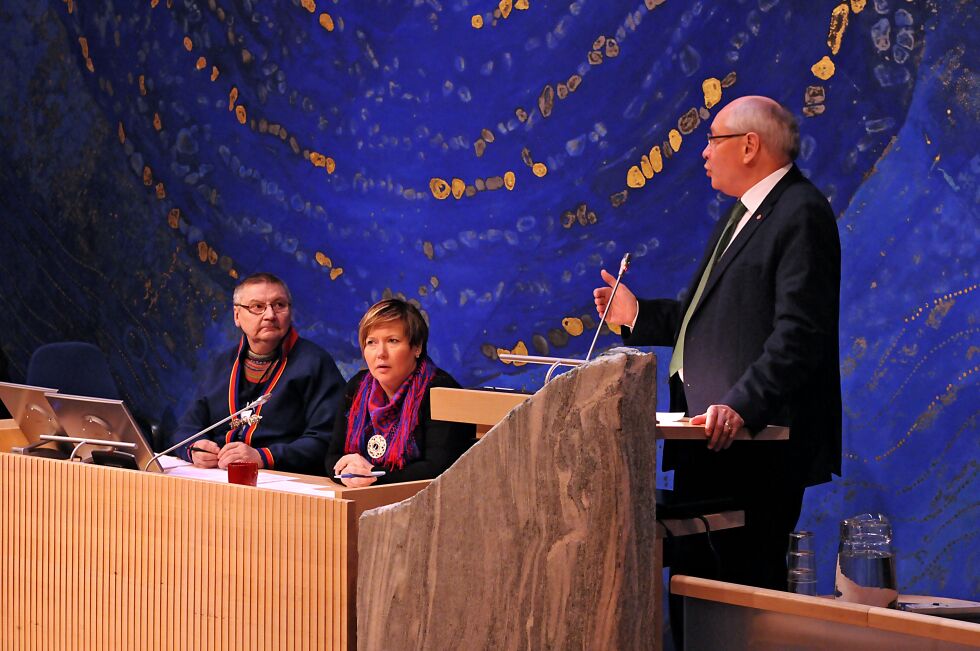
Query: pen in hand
355, 475
193, 449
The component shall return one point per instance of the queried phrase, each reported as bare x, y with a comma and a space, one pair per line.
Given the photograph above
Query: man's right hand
624, 307
208, 458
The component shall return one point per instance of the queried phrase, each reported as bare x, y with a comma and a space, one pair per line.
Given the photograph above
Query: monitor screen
29, 406
104, 420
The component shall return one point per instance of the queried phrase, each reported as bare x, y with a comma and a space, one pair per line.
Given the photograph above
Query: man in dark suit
755, 343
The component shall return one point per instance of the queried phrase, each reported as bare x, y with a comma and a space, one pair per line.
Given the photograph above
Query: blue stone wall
486, 161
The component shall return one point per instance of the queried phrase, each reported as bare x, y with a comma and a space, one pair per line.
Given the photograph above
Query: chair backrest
72, 367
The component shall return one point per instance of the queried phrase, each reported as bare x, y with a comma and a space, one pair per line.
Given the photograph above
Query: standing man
301, 378
755, 343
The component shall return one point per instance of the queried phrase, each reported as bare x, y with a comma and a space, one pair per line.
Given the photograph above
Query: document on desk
179, 468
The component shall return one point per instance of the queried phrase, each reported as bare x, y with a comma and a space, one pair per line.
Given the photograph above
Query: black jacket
763, 339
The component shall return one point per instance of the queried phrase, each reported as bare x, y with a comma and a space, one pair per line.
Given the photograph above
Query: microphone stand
555, 362
623, 266
258, 402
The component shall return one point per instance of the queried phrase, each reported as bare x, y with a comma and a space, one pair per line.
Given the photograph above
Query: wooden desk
102, 558
487, 408
731, 616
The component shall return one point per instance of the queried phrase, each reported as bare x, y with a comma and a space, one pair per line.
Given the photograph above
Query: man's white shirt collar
755, 195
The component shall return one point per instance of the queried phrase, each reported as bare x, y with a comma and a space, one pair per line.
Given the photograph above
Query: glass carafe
866, 561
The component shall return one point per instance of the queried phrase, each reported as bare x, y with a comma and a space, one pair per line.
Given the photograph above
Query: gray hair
776, 126
260, 277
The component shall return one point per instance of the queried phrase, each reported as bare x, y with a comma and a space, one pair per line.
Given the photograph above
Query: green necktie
677, 358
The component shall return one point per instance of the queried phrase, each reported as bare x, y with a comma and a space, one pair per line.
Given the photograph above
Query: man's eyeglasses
258, 309
713, 139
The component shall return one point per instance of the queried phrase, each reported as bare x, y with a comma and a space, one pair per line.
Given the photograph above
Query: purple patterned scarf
371, 413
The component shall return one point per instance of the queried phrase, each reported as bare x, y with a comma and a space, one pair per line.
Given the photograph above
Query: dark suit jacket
763, 340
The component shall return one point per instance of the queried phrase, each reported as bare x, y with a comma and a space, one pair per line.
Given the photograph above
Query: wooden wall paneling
103, 558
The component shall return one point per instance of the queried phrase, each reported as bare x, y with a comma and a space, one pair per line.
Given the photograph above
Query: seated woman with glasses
384, 423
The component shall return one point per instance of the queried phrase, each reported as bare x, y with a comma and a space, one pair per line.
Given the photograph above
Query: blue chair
73, 367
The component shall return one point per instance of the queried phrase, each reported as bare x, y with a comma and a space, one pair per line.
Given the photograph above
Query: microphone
624, 264
249, 418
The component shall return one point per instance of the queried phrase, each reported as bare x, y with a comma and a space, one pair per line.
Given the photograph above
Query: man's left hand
238, 451
721, 424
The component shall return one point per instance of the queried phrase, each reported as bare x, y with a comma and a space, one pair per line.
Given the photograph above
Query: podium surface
542, 536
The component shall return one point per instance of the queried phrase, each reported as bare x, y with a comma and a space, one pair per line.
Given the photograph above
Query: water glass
802, 582
801, 541
802, 572
866, 562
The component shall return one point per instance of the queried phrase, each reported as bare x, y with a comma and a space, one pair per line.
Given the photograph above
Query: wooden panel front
101, 558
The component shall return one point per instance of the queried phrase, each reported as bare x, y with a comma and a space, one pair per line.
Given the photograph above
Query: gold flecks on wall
232, 98
711, 88
476, 21
813, 101
161, 191
154, 3
319, 160
581, 215
324, 261
646, 167
122, 134
457, 187
656, 159
505, 6
201, 64
948, 298
142, 84
439, 188
214, 73
309, 5
857, 6
429, 250
652, 163
509, 180
634, 177
173, 218
326, 22
83, 42
520, 348
157, 122
539, 169
573, 325
240, 114
838, 23
188, 43
823, 69
147, 176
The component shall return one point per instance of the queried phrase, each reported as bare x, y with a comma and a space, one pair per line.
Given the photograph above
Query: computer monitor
29, 406
102, 419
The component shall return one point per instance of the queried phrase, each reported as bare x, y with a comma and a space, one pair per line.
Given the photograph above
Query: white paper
217, 474
669, 416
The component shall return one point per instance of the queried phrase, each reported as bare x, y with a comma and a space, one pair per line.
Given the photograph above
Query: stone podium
542, 536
